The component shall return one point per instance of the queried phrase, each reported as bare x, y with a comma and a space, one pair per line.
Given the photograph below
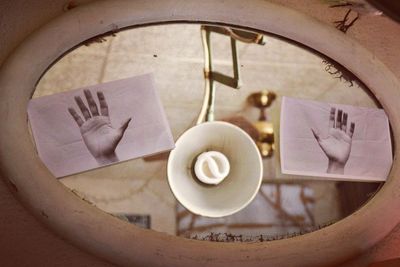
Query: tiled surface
277, 210
174, 53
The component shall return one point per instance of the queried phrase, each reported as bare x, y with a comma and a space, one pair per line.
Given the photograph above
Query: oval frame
119, 242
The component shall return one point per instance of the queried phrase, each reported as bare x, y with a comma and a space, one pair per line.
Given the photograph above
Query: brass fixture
265, 141
211, 76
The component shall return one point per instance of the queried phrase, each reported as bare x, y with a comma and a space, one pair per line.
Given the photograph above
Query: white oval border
124, 244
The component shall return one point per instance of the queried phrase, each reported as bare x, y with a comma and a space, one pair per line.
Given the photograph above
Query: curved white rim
222, 214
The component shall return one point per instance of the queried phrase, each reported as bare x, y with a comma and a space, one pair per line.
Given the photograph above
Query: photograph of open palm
335, 141
99, 125
100, 137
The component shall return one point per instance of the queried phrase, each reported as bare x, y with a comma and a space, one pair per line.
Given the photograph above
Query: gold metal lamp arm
211, 76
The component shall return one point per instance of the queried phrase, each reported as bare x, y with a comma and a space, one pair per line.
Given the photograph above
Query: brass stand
265, 142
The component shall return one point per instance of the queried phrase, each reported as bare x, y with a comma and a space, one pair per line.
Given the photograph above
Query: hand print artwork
113, 122
335, 141
100, 137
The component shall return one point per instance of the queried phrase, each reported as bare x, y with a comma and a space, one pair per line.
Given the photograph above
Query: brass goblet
265, 141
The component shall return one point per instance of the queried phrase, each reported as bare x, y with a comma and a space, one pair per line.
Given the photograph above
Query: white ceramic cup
236, 190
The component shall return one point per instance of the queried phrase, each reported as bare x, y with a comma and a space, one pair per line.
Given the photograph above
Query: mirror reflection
205, 73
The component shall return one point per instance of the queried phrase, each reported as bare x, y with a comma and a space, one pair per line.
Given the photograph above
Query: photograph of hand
337, 143
100, 137
334, 141
99, 125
